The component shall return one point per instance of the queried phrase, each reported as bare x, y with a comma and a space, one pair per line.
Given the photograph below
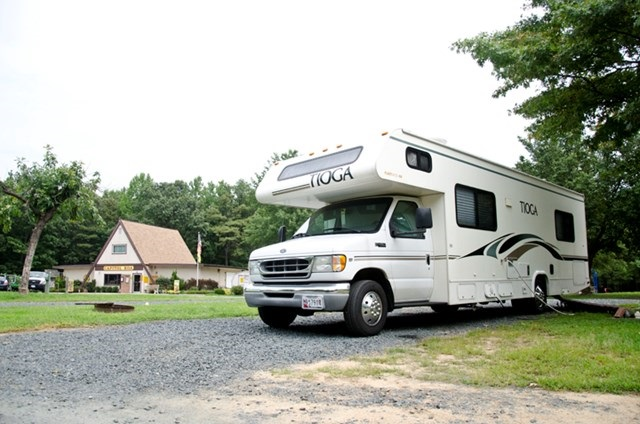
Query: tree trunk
31, 250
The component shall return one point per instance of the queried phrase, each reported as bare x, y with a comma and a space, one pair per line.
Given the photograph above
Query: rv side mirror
282, 233
423, 218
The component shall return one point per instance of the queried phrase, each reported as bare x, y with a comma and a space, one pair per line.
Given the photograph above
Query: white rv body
496, 235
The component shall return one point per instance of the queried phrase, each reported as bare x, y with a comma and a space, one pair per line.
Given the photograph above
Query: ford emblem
283, 250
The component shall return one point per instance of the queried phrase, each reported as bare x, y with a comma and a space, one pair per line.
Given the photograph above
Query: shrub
202, 284
237, 290
164, 283
91, 286
219, 291
59, 283
616, 272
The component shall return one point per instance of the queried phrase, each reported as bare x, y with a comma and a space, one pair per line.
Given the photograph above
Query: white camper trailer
408, 221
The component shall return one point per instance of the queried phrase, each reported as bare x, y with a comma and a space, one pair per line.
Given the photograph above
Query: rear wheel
366, 310
535, 305
540, 299
277, 317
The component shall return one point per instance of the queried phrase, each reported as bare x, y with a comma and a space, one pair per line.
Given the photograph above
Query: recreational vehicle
409, 221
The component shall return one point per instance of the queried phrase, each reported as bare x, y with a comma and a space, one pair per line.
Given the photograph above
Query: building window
475, 208
418, 159
564, 227
112, 279
119, 249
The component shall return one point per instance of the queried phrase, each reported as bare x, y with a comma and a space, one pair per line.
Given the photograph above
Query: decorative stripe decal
515, 246
290, 189
390, 258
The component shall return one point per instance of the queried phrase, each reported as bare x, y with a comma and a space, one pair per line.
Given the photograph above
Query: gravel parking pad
214, 371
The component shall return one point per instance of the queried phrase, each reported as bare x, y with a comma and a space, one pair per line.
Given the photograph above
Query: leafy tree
39, 192
228, 215
72, 241
13, 244
583, 55
113, 206
262, 227
170, 205
133, 205
608, 178
617, 272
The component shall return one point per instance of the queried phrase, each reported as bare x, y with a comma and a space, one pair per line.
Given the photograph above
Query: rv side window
475, 208
419, 160
564, 227
321, 163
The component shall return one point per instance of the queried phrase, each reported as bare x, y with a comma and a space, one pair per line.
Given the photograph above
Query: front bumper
335, 295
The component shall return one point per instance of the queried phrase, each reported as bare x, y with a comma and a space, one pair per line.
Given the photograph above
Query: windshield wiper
341, 230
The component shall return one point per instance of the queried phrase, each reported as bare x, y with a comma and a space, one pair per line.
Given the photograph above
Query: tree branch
6, 190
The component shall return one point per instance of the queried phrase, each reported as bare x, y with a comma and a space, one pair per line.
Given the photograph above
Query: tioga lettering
327, 177
528, 208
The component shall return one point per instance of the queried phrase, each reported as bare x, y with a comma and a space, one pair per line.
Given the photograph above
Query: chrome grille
285, 268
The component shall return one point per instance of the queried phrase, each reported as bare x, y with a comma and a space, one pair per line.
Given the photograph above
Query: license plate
313, 302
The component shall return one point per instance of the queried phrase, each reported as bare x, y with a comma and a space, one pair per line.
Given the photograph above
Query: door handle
428, 259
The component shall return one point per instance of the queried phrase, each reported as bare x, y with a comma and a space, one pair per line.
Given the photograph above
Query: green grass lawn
40, 311
582, 352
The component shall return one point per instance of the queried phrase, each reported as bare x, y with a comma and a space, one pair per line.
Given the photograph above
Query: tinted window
475, 208
564, 227
418, 159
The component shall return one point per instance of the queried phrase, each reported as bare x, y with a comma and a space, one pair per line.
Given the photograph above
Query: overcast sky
181, 89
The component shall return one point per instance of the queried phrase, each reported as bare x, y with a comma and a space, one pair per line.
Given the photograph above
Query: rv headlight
254, 267
329, 263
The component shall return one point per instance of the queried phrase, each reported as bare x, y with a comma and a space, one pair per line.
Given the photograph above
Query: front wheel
277, 317
366, 310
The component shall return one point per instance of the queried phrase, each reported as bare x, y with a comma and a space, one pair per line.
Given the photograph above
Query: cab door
411, 254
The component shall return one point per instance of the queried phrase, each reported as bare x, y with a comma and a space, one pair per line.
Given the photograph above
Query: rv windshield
356, 216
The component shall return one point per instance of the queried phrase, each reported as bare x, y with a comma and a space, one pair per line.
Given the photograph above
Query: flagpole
199, 258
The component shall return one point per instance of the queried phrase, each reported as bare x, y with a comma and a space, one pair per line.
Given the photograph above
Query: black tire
444, 309
534, 305
277, 317
366, 310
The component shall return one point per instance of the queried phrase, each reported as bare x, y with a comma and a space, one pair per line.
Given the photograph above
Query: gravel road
204, 370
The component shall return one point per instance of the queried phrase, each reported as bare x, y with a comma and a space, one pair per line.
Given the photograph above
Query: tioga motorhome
409, 221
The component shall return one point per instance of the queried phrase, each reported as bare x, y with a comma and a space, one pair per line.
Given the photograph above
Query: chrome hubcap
371, 309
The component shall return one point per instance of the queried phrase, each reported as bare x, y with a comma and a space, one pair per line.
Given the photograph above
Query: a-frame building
135, 255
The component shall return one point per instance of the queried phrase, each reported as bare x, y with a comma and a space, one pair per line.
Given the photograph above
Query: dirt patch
270, 399
282, 399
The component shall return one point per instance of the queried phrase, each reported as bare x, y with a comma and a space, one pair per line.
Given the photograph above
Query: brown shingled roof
157, 245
